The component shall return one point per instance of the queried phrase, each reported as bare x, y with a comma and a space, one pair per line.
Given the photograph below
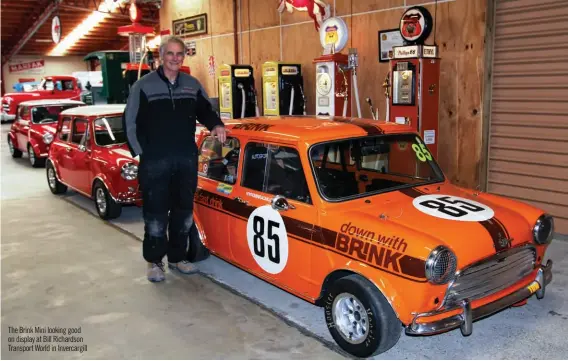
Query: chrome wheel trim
51, 178
11, 146
101, 200
31, 155
350, 318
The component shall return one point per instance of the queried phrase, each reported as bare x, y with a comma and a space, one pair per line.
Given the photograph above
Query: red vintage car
34, 127
51, 87
89, 154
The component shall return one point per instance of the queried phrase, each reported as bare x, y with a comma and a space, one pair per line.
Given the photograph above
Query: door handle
68, 148
240, 200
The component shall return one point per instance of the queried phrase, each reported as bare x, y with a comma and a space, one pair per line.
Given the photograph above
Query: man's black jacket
160, 117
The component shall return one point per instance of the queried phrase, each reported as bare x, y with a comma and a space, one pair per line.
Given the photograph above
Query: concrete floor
87, 273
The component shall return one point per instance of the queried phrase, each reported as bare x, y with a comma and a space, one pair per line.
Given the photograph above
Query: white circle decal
267, 239
453, 208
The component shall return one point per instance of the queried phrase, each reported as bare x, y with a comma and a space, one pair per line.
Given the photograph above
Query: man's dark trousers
168, 184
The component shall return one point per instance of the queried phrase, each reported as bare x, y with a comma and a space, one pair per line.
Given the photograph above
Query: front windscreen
48, 113
353, 168
109, 131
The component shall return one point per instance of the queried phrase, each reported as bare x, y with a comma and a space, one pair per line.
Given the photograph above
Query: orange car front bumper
465, 318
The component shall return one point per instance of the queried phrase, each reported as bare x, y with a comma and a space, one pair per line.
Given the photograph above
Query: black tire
384, 327
55, 186
106, 207
197, 250
16, 153
34, 160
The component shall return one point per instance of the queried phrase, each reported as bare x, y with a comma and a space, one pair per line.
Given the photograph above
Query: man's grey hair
170, 39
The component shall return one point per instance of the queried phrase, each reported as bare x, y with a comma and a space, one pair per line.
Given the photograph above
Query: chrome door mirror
82, 148
281, 204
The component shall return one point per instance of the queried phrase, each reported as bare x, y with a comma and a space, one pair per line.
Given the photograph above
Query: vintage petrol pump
283, 89
136, 33
237, 94
414, 78
333, 73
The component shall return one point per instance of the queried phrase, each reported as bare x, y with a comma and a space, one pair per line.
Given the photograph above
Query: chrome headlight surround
129, 171
543, 230
441, 265
47, 138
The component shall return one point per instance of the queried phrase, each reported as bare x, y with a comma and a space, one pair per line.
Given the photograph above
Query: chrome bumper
6, 117
468, 315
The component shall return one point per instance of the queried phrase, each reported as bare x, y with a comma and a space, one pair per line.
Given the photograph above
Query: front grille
6, 107
491, 275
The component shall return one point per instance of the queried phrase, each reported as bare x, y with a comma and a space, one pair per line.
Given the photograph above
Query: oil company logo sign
28, 67
290, 70
416, 24
56, 29
453, 208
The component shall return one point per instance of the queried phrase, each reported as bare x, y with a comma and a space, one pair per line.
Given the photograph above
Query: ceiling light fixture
89, 24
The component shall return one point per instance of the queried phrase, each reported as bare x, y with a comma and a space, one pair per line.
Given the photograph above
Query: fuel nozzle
373, 113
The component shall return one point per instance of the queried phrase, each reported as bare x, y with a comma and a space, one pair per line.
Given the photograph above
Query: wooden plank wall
265, 35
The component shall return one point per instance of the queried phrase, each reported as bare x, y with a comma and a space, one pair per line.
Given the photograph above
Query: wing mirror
281, 204
82, 148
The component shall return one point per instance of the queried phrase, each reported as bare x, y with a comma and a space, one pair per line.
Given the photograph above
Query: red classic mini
89, 154
34, 127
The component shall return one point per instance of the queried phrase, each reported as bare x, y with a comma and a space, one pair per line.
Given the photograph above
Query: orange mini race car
356, 216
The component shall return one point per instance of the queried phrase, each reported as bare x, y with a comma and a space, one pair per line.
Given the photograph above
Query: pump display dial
323, 85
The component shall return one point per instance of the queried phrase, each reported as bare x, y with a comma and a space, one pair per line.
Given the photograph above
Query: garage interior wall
528, 126
291, 37
53, 65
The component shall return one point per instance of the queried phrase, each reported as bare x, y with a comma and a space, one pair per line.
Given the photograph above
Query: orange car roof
313, 128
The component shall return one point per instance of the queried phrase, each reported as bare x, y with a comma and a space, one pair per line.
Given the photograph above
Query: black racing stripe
414, 267
503, 226
411, 192
306, 232
498, 234
369, 128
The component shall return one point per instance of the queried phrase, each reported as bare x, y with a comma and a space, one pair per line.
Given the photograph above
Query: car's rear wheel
197, 250
34, 160
106, 207
359, 318
16, 153
55, 186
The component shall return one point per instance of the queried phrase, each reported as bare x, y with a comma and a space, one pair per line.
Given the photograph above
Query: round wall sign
334, 32
135, 14
268, 239
453, 208
56, 29
416, 25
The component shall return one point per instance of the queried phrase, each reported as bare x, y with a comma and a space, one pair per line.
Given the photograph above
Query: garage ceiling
21, 16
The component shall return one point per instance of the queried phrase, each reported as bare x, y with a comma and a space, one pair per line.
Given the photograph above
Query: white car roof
103, 109
33, 103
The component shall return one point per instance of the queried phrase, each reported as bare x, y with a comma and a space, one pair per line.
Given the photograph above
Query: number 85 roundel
454, 208
268, 239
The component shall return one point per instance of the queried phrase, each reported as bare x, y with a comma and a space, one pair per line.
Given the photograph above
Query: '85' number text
261, 247
458, 208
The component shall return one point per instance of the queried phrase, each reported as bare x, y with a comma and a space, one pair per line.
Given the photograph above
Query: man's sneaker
156, 272
184, 267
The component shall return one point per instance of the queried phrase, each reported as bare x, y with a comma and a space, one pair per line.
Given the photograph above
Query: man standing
160, 119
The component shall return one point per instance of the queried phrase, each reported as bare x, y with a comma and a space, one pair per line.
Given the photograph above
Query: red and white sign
28, 67
56, 29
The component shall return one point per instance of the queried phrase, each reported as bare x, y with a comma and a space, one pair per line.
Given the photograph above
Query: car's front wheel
34, 160
106, 207
359, 318
55, 186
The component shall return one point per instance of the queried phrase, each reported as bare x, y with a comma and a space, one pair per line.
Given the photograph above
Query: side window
79, 128
276, 170
67, 84
219, 161
64, 131
24, 113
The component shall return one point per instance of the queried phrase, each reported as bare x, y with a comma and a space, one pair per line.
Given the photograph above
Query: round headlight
48, 138
129, 171
543, 230
441, 265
